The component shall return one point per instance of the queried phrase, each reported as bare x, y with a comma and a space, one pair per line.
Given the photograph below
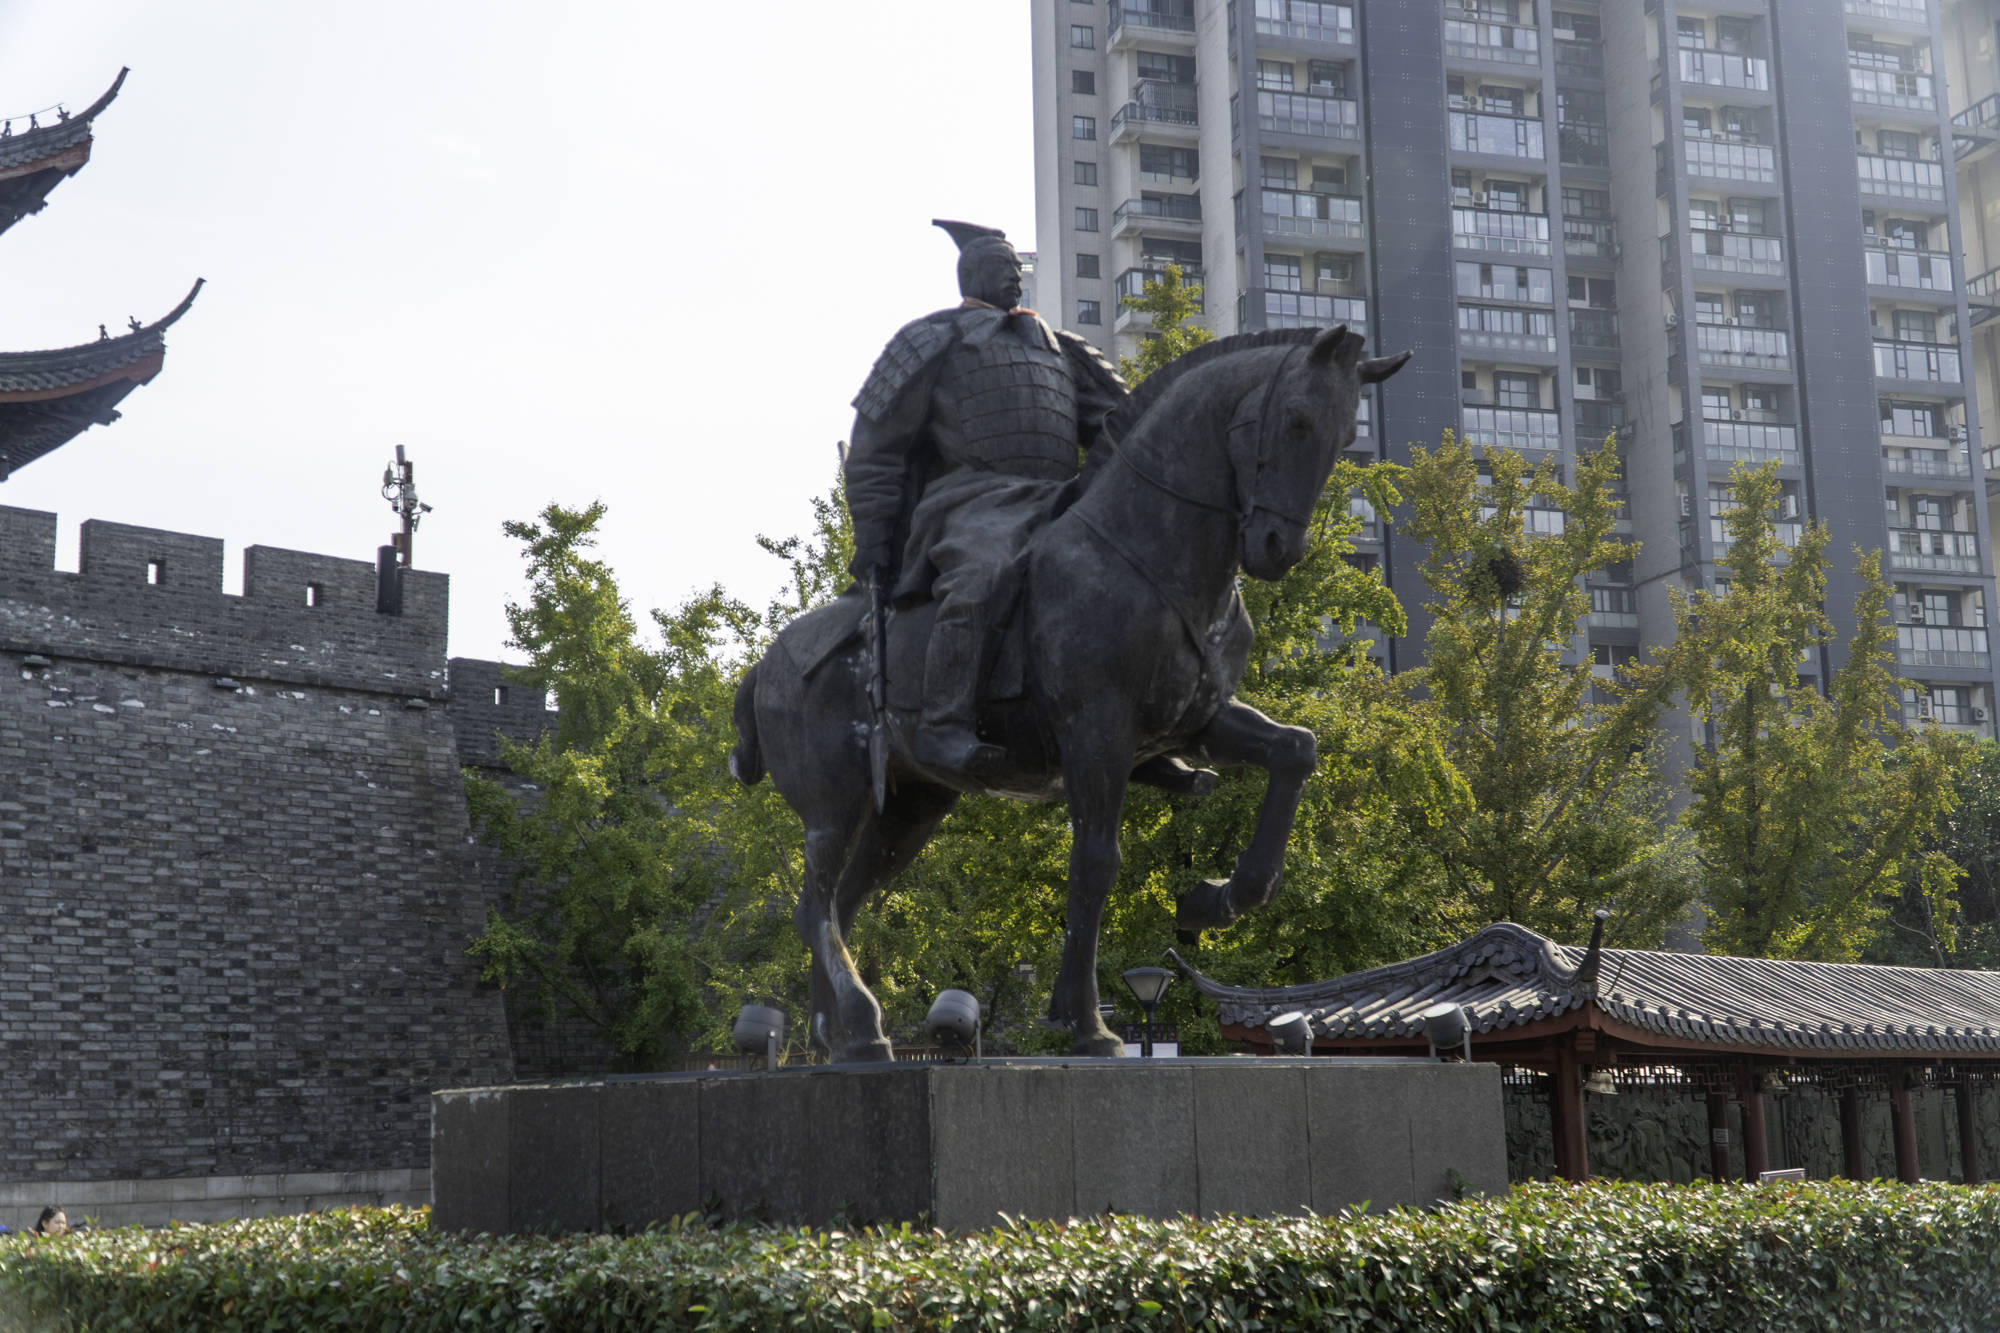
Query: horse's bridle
1247, 431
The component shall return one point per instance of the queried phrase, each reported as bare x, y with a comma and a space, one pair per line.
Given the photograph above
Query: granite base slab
957, 1145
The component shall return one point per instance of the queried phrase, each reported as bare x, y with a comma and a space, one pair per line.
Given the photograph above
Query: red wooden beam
1968, 1130
1903, 1120
1566, 1116
1756, 1146
1853, 1152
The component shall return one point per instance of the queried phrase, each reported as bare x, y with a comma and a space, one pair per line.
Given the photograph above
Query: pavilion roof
48, 398
1510, 977
36, 160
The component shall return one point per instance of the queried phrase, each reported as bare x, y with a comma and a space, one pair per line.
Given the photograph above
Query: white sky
643, 252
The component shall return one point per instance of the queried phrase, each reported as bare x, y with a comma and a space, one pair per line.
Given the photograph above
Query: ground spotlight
954, 1021
1447, 1025
1291, 1033
760, 1028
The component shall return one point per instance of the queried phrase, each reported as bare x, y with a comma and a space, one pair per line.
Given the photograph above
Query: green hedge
1544, 1257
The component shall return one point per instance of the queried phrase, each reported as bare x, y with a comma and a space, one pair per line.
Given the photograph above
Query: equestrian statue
1028, 624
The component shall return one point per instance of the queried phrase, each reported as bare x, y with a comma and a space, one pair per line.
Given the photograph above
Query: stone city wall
235, 866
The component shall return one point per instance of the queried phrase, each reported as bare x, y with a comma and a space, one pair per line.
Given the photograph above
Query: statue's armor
1006, 405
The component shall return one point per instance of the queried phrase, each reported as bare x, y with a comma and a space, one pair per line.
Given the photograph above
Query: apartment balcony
1516, 428
1313, 115
1719, 69
1737, 252
1173, 215
1751, 442
1976, 129
1306, 213
1900, 89
1578, 60
1725, 159
1583, 144
1321, 21
1745, 348
1917, 270
1472, 37
1786, 530
1132, 282
1926, 458
1593, 330
1595, 422
1506, 329
1914, 12
1500, 231
1901, 177
1131, 24
1951, 647
1931, 362
1496, 136
1938, 552
1269, 308
1590, 238
1157, 108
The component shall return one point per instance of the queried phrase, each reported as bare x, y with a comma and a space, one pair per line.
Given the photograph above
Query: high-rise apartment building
1726, 232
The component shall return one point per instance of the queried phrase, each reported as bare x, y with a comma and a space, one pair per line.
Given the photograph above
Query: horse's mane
1155, 385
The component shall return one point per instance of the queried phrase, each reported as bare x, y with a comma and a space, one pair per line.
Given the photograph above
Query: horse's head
1285, 452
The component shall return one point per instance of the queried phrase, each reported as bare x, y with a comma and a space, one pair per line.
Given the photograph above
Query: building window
1507, 196
1331, 268
1693, 33
1715, 405
1086, 219
1281, 273
1504, 101
1277, 173
1086, 266
1326, 78
1897, 143
1329, 180
1083, 173
1084, 37
1708, 308
1155, 160
1083, 127
1165, 68
1595, 204
1511, 389
1275, 75
1468, 380
1083, 82
1461, 187
1089, 312
1913, 326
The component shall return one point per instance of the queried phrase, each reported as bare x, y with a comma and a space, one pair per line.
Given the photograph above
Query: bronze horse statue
1130, 640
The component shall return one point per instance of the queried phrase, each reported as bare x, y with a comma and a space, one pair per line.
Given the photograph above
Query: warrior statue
968, 416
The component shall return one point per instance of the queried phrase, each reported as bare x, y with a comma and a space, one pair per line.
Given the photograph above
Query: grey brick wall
235, 915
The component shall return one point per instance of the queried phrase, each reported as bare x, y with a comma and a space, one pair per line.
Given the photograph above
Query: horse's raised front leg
1094, 774
1240, 734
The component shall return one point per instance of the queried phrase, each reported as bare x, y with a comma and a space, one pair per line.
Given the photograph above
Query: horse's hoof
875, 1052
1202, 783
1098, 1045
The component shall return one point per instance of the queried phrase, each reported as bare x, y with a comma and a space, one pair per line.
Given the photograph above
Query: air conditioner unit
1673, 321
1788, 506
1956, 434
1735, 414
1979, 715
1924, 706
1917, 614
1730, 321
1687, 506
1479, 199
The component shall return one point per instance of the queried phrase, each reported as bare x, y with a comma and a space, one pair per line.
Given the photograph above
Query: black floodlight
760, 1028
1447, 1025
1291, 1033
954, 1021
1602, 1082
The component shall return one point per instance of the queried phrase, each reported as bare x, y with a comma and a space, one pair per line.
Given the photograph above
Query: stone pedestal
956, 1145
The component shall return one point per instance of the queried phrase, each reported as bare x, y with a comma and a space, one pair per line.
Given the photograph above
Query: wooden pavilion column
1968, 1129
1853, 1152
1904, 1121
1718, 1136
1756, 1146
1566, 1113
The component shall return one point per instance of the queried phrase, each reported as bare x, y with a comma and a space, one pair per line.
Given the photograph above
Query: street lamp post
1148, 984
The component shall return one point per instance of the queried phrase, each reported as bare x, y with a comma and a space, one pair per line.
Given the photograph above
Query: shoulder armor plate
915, 345
1092, 364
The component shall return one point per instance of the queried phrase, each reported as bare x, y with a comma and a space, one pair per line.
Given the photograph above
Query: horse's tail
746, 761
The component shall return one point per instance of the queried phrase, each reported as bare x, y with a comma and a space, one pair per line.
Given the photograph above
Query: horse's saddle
815, 640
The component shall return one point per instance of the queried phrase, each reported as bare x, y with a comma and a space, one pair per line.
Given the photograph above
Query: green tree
1810, 809
1961, 929
1565, 808
1172, 303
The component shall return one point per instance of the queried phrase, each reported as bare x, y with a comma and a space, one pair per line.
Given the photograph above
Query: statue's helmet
977, 247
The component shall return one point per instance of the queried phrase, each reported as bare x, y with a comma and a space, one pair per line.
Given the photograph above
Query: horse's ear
1378, 368
1327, 344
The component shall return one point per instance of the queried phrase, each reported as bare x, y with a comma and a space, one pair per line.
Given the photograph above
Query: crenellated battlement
150, 597
485, 704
